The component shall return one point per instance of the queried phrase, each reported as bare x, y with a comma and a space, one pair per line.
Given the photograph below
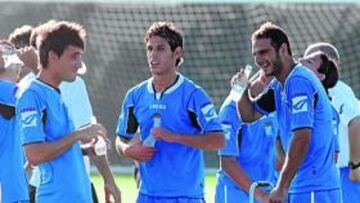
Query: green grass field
128, 188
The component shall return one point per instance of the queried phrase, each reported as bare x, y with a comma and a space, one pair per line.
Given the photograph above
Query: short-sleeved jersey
12, 175
44, 118
253, 144
345, 103
176, 170
303, 103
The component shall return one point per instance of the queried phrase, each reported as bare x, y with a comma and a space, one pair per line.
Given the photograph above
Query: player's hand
262, 196
277, 195
90, 132
139, 152
29, 56
163, 134
258, 83
112, 192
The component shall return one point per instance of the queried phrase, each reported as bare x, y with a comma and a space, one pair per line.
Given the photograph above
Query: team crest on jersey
299, 104
209, 112
227, 131
28, 117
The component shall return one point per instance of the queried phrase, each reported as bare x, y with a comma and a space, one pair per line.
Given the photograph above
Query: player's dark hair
329, 69
57, 37
20, 37
169, 32
273, 32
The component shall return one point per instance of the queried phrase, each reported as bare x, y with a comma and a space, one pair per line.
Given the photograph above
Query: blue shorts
324, 196
150, 199
350, 189
229, 193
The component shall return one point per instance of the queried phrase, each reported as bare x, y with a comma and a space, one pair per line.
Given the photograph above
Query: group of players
291, 123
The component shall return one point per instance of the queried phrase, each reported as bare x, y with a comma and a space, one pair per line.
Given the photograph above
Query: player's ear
283, 49
52, 56
178, 53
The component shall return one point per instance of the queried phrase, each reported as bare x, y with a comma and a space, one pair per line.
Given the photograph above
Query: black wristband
353, 166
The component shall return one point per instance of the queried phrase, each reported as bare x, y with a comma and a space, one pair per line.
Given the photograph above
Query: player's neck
49, 77
288, 66
162, 82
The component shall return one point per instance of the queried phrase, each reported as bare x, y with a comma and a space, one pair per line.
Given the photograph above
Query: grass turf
129, 191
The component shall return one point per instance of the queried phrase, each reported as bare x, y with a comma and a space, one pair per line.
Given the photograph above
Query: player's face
69, 62
266, 57
161, 59
313, 62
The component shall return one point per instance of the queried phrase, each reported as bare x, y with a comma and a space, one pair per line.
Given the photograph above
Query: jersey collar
170, 89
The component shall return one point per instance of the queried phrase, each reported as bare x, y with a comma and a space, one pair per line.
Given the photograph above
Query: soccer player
177, 122
249, 154
12, 175
304, 114
76, 99
345, 103
46, 128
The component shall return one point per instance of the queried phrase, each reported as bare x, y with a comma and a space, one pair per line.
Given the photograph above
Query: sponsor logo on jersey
158, 106
28, 117
227, 130
299, 104
209, 112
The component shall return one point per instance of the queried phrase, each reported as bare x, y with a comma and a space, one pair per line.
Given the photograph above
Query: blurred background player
13, 182
345, 103
177, 122
76, 98
49, 138
249, 152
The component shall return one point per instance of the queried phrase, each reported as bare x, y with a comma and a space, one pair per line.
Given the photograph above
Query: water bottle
100, 147
248, 69
236, 87
150, 140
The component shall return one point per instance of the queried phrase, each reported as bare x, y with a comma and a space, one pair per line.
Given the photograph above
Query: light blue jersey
12, 175
253, 145
176, 170
303, 103
44, 118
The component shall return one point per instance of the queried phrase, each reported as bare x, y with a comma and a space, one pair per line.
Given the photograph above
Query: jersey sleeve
127, 122
230, 123
205, 111
29, 114
300, 98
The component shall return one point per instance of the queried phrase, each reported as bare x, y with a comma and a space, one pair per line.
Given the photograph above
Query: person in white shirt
346, 104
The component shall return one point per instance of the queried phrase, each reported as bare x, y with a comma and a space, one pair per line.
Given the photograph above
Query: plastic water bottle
150, 140
100, 147
236, 87
248, 69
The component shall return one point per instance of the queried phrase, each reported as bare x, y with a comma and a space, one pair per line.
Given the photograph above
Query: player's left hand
277, 195
112, 192
163, 134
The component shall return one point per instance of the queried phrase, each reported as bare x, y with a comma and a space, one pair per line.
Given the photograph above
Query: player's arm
44, 151
102, 164
354, 141
232, 168
208, 141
